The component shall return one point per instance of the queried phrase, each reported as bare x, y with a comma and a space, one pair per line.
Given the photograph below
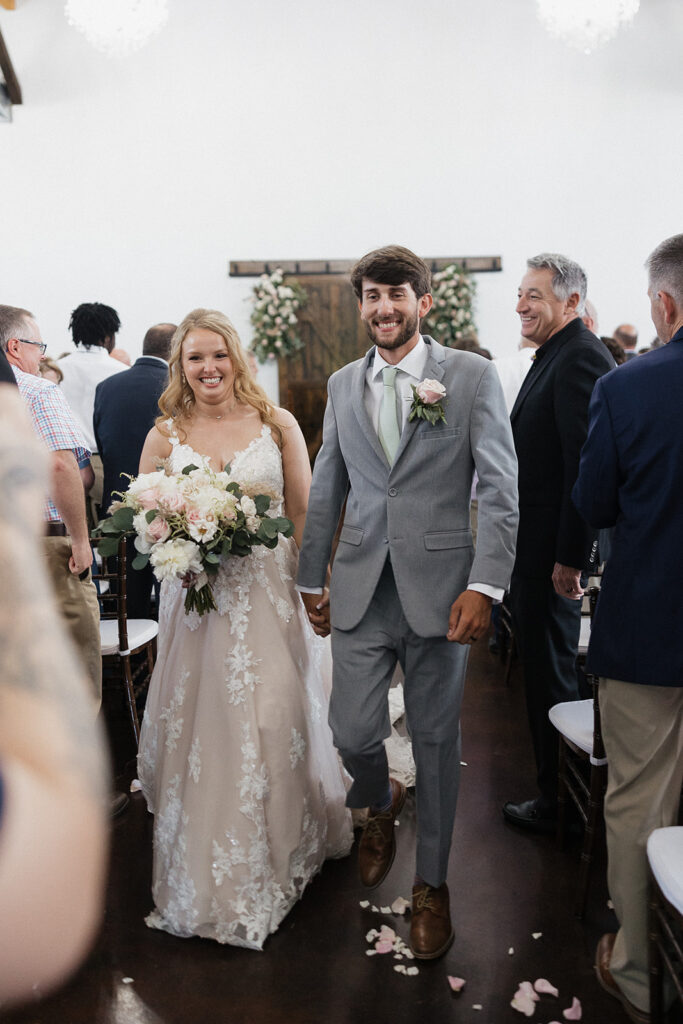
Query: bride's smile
207, 366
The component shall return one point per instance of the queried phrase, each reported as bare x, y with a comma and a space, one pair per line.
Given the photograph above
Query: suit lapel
361, 413
537, 371
434, 369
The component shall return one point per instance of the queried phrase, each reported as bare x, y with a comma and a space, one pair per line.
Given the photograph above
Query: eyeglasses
40, 344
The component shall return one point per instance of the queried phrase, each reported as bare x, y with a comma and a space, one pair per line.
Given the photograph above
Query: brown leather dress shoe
377, 847
603, 956
431, 932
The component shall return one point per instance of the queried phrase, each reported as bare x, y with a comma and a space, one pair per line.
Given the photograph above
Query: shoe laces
373, 829
424, 898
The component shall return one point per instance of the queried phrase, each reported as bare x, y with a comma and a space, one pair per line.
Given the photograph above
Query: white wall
305, 130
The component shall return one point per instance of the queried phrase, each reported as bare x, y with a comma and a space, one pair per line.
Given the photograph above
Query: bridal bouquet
186, 523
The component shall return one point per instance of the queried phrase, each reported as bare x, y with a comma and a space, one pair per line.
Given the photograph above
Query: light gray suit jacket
417, 510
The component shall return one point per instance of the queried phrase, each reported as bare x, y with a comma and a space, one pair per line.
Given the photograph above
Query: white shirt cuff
495, 593
310, 590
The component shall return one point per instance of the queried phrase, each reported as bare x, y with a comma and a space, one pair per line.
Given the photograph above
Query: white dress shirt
83, 370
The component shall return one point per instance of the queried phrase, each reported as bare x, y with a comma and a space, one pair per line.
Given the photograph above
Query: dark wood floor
504, 885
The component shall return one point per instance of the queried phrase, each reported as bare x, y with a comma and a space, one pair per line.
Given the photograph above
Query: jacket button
392, 492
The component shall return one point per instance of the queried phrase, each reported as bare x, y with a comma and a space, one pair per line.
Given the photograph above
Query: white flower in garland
452, 316
274, 316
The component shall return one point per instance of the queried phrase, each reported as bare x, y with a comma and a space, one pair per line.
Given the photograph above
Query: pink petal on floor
387, 934
457, 984
574, 1012
135, 786
400, 905
384, 947
544, 986
528, 989
523, 1003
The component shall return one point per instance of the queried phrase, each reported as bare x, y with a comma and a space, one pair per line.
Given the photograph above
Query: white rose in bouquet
175, 558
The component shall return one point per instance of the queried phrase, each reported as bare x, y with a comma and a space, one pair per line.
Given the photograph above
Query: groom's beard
410, 325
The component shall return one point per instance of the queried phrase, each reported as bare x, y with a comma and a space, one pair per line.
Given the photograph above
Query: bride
236, 759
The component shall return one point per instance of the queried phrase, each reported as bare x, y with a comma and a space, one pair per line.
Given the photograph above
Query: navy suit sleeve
572, 395
596, 492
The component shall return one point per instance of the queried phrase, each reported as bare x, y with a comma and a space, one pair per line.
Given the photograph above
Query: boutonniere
426, 405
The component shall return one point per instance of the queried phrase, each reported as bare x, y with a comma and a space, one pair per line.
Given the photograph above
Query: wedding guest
406, 585
627, 336
590, 317
53, 841
549, 422
513, 369
630, 479
121, 355
126, 406
67, 543
93, 329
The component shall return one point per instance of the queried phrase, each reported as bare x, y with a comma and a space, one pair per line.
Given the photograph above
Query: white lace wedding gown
236, 759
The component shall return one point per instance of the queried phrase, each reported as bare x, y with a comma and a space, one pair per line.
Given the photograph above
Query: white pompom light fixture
117, 27
585, 24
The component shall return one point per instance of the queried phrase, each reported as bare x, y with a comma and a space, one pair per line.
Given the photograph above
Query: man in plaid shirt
67, 543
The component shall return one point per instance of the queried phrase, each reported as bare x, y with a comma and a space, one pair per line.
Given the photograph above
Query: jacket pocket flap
452, 539
351, 535
438, 433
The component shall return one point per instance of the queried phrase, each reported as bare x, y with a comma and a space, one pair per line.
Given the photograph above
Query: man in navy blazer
549, 421
630, 478
126, 405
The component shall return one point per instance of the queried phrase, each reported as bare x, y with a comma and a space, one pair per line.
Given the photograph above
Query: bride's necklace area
219, 416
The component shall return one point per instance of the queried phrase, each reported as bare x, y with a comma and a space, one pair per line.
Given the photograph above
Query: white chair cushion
140, 631
574, 719
665, 854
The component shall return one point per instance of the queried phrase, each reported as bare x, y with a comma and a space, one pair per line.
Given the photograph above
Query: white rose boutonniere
426, 405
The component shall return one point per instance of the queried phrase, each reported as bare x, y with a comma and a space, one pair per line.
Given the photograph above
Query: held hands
318, 608
567, 582
470, 617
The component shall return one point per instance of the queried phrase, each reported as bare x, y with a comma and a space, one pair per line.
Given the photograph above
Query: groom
406, 584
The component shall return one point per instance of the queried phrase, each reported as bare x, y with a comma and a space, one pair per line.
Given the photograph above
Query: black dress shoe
532, 815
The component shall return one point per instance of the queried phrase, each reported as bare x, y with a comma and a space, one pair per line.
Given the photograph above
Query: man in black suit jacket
126, 405
549, 424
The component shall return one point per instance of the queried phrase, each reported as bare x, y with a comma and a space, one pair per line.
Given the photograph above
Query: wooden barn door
333, 335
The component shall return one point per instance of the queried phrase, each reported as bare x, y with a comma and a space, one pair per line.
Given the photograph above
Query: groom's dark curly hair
392, 264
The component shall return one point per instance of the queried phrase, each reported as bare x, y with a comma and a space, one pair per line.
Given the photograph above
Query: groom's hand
318, 609
470, 617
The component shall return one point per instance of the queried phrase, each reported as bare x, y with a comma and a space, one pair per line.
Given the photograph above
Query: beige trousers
78, 605
642, 727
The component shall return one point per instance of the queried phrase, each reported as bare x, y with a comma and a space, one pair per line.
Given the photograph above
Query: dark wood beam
11, 80
252, 268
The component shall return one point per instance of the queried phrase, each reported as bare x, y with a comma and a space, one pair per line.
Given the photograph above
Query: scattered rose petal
400, 905
398, 956
135, 786
364, 904
371, 952
400, 968
574, 1012
409, 954
477, 1006
511, 950
544, 986
385, 910
372, 935
523, 1004
127, 981
528, 989
397, 823
464, 764
383, 947
610, 904
412, 970
536, 935
387, 934
457, 984
374, 909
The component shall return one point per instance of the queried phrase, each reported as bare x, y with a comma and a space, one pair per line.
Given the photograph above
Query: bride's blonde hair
177, 401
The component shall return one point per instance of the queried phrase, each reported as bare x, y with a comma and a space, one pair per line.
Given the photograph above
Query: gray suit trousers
364, 659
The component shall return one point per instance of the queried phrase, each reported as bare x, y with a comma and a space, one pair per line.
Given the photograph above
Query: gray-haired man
549, 424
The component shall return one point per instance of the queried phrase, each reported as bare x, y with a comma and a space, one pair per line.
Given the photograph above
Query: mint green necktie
389, 432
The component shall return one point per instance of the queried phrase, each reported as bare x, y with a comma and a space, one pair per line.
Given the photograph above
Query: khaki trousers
642, 727
78, 605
